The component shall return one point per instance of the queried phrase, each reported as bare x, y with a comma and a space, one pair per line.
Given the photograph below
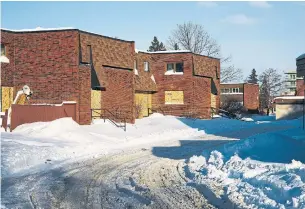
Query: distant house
246, 94
100, 72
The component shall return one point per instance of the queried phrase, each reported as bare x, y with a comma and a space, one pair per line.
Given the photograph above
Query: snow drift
262, 171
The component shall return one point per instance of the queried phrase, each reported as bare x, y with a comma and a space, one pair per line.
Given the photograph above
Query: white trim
162, 52
64, 102
38, 29
233, 93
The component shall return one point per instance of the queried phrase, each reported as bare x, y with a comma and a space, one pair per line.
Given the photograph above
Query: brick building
245, 93
178, 83
98, 72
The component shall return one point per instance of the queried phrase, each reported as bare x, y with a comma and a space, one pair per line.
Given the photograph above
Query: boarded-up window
174, 97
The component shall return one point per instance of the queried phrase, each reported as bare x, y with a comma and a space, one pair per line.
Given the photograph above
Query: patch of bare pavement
145, 178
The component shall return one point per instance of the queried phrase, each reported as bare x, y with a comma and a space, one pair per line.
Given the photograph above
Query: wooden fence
22, 114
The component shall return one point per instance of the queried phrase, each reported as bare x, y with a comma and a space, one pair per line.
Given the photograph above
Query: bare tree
271, 86
194, 37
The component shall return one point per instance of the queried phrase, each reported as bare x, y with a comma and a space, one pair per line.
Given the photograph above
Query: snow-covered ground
257, 169
266, 170
43, 145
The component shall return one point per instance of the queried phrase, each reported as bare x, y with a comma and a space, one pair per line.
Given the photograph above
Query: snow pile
41, 145
262, 171
48, 129
247, 119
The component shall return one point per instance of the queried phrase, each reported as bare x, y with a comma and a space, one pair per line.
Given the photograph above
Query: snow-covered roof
291, 97
38, 29
237, 83
163, 52
291, 72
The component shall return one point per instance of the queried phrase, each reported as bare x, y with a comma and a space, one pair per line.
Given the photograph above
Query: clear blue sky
257, 35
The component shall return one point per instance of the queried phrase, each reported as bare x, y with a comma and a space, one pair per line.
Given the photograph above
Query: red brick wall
251, 96
7, 69
143, 81
300, 87
206, 66
118, 82
47, 62
197, 90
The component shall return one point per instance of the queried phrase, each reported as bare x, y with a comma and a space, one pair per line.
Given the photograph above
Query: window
174, 68
174, 97
216, 73
146, 66
3, 52
135, 63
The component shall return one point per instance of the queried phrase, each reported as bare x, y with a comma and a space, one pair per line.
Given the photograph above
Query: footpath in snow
266, 170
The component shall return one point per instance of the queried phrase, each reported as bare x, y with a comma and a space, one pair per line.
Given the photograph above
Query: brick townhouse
102, 72
177, 83
245, 93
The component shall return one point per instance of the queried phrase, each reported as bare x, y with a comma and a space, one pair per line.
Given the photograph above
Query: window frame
174, 67
147, 66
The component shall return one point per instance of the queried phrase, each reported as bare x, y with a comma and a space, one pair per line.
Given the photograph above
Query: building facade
246, 94
99, 72
290, 83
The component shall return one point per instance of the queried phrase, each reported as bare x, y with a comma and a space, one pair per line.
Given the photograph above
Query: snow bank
39, 146
47, 129
262, 171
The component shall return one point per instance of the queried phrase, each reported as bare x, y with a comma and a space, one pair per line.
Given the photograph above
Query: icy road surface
135, 179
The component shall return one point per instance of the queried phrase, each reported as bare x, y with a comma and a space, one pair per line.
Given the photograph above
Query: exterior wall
46, 61
300, 87
7, 69
251, 96
22, 114
143, 81
289, 108
196, 90
113, 62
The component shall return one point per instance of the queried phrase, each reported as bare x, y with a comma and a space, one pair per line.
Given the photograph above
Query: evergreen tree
253, 77
162, 47
176, 47
156, 45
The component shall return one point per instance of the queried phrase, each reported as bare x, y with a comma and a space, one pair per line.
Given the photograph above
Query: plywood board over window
96, 102
174, 97
6, 97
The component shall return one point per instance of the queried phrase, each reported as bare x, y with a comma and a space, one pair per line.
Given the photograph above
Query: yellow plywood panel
213, 100
143, 102
7, 98
96, 103
174, 97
